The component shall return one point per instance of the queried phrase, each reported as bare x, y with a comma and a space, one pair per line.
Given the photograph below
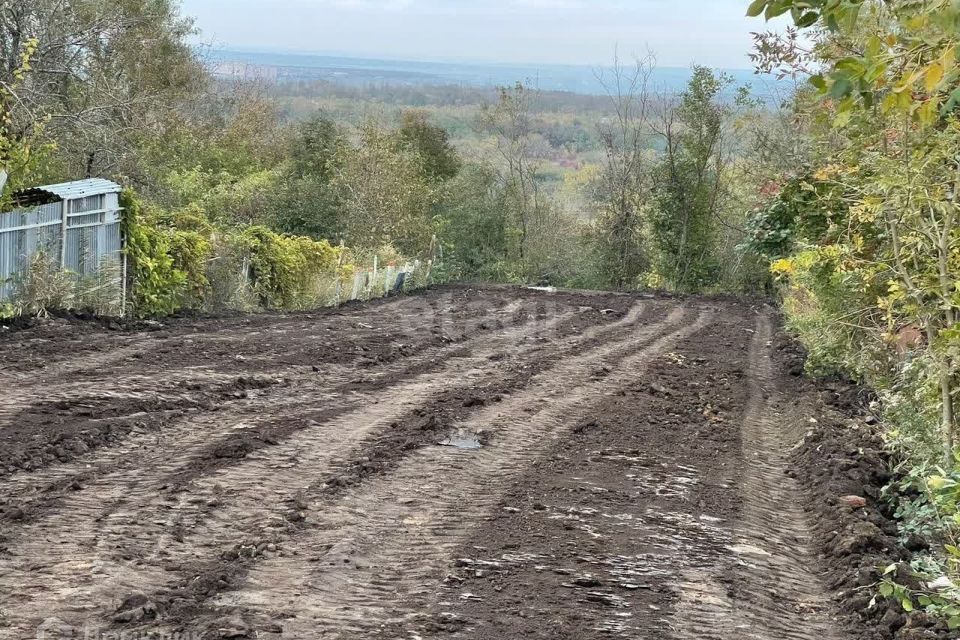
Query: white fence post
356, 285
64, 209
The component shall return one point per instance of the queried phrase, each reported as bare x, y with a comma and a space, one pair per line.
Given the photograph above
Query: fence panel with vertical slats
93, 245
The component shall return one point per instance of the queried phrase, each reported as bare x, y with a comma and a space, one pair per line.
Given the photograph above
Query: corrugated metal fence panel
89, 203
45, 214
89, 247
110, 240
24, 232
9, 262
75, 255
84, 219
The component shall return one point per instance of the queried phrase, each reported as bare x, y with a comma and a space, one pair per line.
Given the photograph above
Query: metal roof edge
81, 188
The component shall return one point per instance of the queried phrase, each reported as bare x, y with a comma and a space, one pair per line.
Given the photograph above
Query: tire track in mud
587, 543
79, 372
387, 541
322, 465
182, 353
221, 438
767, 590
98, 547
198, 436
90, 354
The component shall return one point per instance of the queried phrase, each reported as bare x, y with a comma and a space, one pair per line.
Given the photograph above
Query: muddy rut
482, 463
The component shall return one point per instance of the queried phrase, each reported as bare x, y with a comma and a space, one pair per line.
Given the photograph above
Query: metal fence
378, 281
81, 237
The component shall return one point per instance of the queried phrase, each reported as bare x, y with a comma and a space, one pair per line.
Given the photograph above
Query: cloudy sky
711, 32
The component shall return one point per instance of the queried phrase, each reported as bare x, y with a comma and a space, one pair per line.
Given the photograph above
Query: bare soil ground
463, 463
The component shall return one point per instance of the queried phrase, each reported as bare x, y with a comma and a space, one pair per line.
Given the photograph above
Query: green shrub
180, 259
190, 252
158, 285
285, 269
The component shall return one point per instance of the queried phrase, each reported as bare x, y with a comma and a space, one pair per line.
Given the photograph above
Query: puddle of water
462, 441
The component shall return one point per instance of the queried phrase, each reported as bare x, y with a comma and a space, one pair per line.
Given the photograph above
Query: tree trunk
946, 417
947, 425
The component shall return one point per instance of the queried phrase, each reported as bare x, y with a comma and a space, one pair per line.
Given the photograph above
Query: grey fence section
23, 233
375, 282
80, 236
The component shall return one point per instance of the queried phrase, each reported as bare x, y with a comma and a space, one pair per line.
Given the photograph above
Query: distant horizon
373, 57
283, 65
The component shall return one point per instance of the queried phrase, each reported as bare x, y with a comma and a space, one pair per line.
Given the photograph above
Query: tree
688, 182
475, 226
23, 151
104, 75
509, 120
384, 196
313, 148
624, 181
439, 158
306, 201
899, 56
888, 79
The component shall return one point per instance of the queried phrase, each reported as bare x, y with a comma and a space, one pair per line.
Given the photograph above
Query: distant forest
370, 72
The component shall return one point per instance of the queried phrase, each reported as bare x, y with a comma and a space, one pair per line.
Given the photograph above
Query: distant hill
283, 67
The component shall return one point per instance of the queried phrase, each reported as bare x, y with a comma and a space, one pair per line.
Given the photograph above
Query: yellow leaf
906, 81
889, 103
842, 119
949, 59
782, 267
933, 77
904, 101
929, 112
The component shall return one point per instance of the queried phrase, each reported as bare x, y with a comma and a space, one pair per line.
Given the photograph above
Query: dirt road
465, 463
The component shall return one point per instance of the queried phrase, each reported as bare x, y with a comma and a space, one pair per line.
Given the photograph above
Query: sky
586, 32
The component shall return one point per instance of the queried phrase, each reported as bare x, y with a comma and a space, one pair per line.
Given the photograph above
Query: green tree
623, 186
24, 151
475, 226
105, 74
509, 121
538, 229
688, 183
887, 73
306, 202
385, 198
440, 160
313, 148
